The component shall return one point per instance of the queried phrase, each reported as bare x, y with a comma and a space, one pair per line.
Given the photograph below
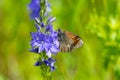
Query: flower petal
54, 49
41, 48
38, 63
34, 50
48, 53
34, 6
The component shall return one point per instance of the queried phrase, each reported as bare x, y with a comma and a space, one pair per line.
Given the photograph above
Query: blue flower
45, 39
48, 6
51, 19
48, 9
48, 62
38, 63
34, 6
34, 50
42, 42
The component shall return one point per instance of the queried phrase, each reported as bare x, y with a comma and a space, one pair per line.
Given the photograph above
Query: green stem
43, 9
45, 70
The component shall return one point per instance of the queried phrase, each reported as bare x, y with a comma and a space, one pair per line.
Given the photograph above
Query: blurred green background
96, 21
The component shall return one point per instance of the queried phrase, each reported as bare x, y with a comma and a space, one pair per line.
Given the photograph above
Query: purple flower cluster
49, 62
44, 40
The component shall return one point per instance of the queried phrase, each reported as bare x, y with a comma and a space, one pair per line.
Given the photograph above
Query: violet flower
45, 40
49, 62
34, 6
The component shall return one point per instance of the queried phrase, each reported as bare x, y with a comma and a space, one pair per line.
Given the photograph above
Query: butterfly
68, 41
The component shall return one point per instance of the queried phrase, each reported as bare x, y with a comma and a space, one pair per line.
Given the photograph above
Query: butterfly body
68, 41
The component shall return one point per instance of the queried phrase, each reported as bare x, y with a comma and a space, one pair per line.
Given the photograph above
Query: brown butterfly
68, 41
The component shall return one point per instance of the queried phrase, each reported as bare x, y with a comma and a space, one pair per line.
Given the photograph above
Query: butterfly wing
64, 41
68, 41
75, 41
